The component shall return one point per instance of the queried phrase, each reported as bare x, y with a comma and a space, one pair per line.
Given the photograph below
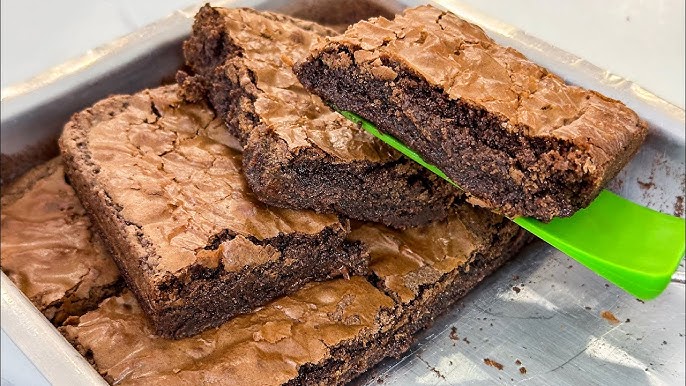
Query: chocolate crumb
518, 362
522, 370
453, 333
587, 307
664, 342
515, 277
516, 289
570, 267
438, 373
640, 301
493, 363
679, 206
627, 320
379, 380
432, 368
466, 341
607, 285
610, 317
645, 185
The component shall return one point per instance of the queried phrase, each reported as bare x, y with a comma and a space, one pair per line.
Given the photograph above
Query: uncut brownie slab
170, 199
325, 333
515, 137
49, 248
298, 152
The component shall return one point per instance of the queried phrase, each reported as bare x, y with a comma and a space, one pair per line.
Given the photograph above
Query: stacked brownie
245, 267
299, 153
515, 137
190, 238
325, 333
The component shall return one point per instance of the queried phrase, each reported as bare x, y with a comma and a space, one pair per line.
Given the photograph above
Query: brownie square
299, 153
515, 137
325, 333
169, 197
49, 248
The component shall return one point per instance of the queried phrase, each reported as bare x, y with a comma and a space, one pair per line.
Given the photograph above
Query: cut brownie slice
298, 152
426, 269
191, 240
516, 138
326, 333
49, 249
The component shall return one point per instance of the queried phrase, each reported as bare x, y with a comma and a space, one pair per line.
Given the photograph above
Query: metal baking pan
539, 316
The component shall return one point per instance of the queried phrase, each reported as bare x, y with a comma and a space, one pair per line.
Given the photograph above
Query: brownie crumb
516, 289
645, 185
640, 301
679, 206
522, 370
610, 317
493, 363
466, 340
518, 362
453, 333
664, 342
515, 277
627, 320
587, 307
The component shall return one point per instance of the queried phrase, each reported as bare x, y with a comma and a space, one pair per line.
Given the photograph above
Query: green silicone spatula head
634, 247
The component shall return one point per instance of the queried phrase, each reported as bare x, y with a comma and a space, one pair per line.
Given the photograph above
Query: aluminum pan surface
552, 325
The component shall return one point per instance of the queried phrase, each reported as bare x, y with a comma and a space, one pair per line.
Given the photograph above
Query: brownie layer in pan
50, 249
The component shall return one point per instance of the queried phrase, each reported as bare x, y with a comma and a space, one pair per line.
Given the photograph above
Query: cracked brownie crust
49, 248
515, 137
298, 152
191, 240
326, 333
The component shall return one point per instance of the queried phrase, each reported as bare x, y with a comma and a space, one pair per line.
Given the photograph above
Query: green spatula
634, 247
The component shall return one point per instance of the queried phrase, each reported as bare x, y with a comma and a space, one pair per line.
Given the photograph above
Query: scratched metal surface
549, 330
540, 318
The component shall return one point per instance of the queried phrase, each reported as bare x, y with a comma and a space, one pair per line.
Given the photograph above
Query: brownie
426, 269
299, 153
167, 192
325, 333
49, 249
515, 137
